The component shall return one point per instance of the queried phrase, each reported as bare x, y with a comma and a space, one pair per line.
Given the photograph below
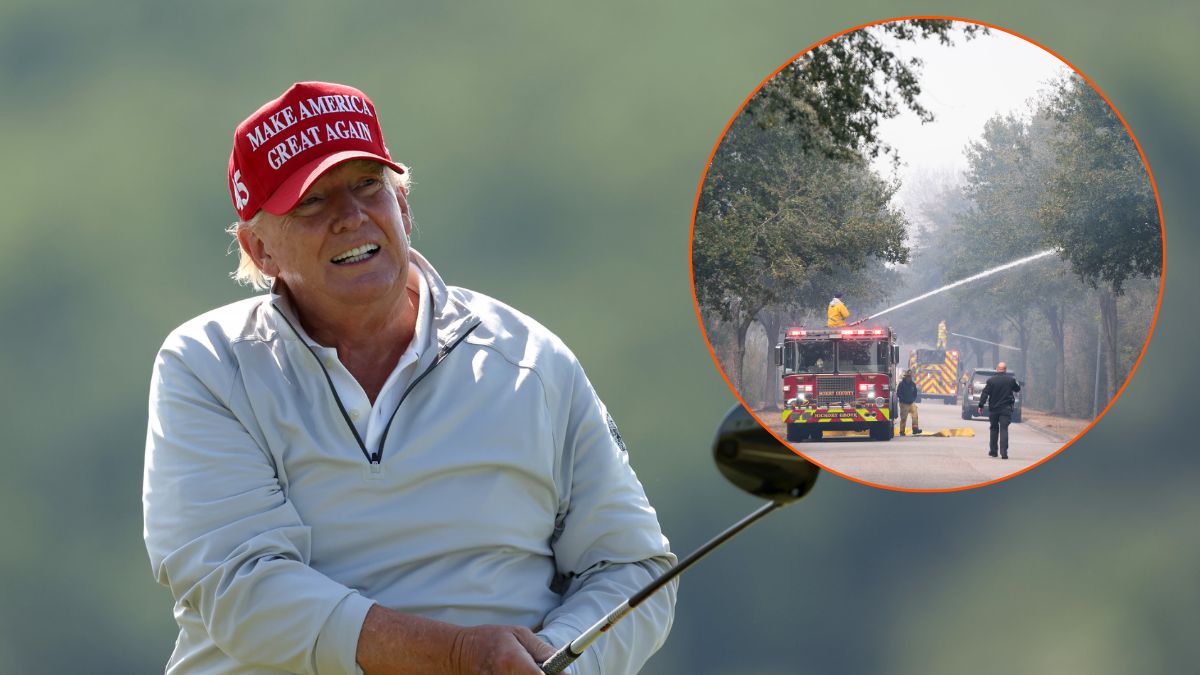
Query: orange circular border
1153, 186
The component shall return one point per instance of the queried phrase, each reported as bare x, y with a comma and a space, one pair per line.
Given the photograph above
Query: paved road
925, 462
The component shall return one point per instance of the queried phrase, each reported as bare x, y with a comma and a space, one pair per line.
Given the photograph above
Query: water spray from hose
960, 282
968, 337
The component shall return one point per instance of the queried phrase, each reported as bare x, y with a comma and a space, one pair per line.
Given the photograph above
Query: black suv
974, 387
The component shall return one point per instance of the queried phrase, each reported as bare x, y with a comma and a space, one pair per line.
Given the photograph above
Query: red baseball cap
280, 150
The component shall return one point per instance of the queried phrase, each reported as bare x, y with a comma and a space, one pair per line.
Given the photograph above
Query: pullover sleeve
221, 533
608, 545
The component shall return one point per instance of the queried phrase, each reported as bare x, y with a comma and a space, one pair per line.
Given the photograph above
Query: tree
789, 197
833, 96
1099, 208
772, 222
1009, 167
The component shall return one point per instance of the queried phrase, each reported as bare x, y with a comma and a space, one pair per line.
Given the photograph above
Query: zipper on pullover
375, 458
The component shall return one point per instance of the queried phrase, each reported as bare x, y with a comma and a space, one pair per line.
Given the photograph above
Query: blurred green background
556, 152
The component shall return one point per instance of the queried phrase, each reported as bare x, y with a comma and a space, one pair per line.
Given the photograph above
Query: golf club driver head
755, 461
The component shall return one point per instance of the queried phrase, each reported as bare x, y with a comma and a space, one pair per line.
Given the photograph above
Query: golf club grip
561, 659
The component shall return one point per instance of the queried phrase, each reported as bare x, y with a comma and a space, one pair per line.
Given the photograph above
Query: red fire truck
838, 379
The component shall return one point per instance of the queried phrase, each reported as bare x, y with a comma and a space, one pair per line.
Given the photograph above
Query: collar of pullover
452, 319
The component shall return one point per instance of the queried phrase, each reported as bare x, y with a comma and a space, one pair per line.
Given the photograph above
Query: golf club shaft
567, 654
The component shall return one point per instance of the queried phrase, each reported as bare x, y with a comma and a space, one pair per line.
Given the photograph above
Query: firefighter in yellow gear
837, 312
941, 340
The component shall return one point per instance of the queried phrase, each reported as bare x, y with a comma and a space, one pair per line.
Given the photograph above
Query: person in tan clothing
908, 394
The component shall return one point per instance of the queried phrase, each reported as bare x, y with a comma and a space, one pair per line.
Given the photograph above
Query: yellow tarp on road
944, 433
947, 433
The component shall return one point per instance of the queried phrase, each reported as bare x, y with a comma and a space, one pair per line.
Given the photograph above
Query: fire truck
935, 372
838, 379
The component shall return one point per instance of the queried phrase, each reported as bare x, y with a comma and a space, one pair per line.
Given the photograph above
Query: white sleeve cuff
560, 633
337, 644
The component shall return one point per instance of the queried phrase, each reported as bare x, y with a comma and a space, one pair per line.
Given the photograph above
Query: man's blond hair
249, 274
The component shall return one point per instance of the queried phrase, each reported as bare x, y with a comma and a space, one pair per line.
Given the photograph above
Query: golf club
750, 458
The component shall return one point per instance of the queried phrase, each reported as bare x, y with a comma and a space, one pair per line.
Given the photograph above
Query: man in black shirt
999, 394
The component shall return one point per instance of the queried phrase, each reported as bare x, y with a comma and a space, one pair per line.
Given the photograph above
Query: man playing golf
367, 470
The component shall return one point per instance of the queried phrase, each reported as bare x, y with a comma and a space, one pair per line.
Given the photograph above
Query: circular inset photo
927, 253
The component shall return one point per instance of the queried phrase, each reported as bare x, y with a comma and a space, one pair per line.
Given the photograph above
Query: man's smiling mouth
356, 254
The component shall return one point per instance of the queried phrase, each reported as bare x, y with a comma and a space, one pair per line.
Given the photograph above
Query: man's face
345, 243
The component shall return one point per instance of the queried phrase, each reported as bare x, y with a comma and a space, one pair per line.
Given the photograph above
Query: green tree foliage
775, 224
1008, 169
1099, 208
834, 96
790, 206
1065, 176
